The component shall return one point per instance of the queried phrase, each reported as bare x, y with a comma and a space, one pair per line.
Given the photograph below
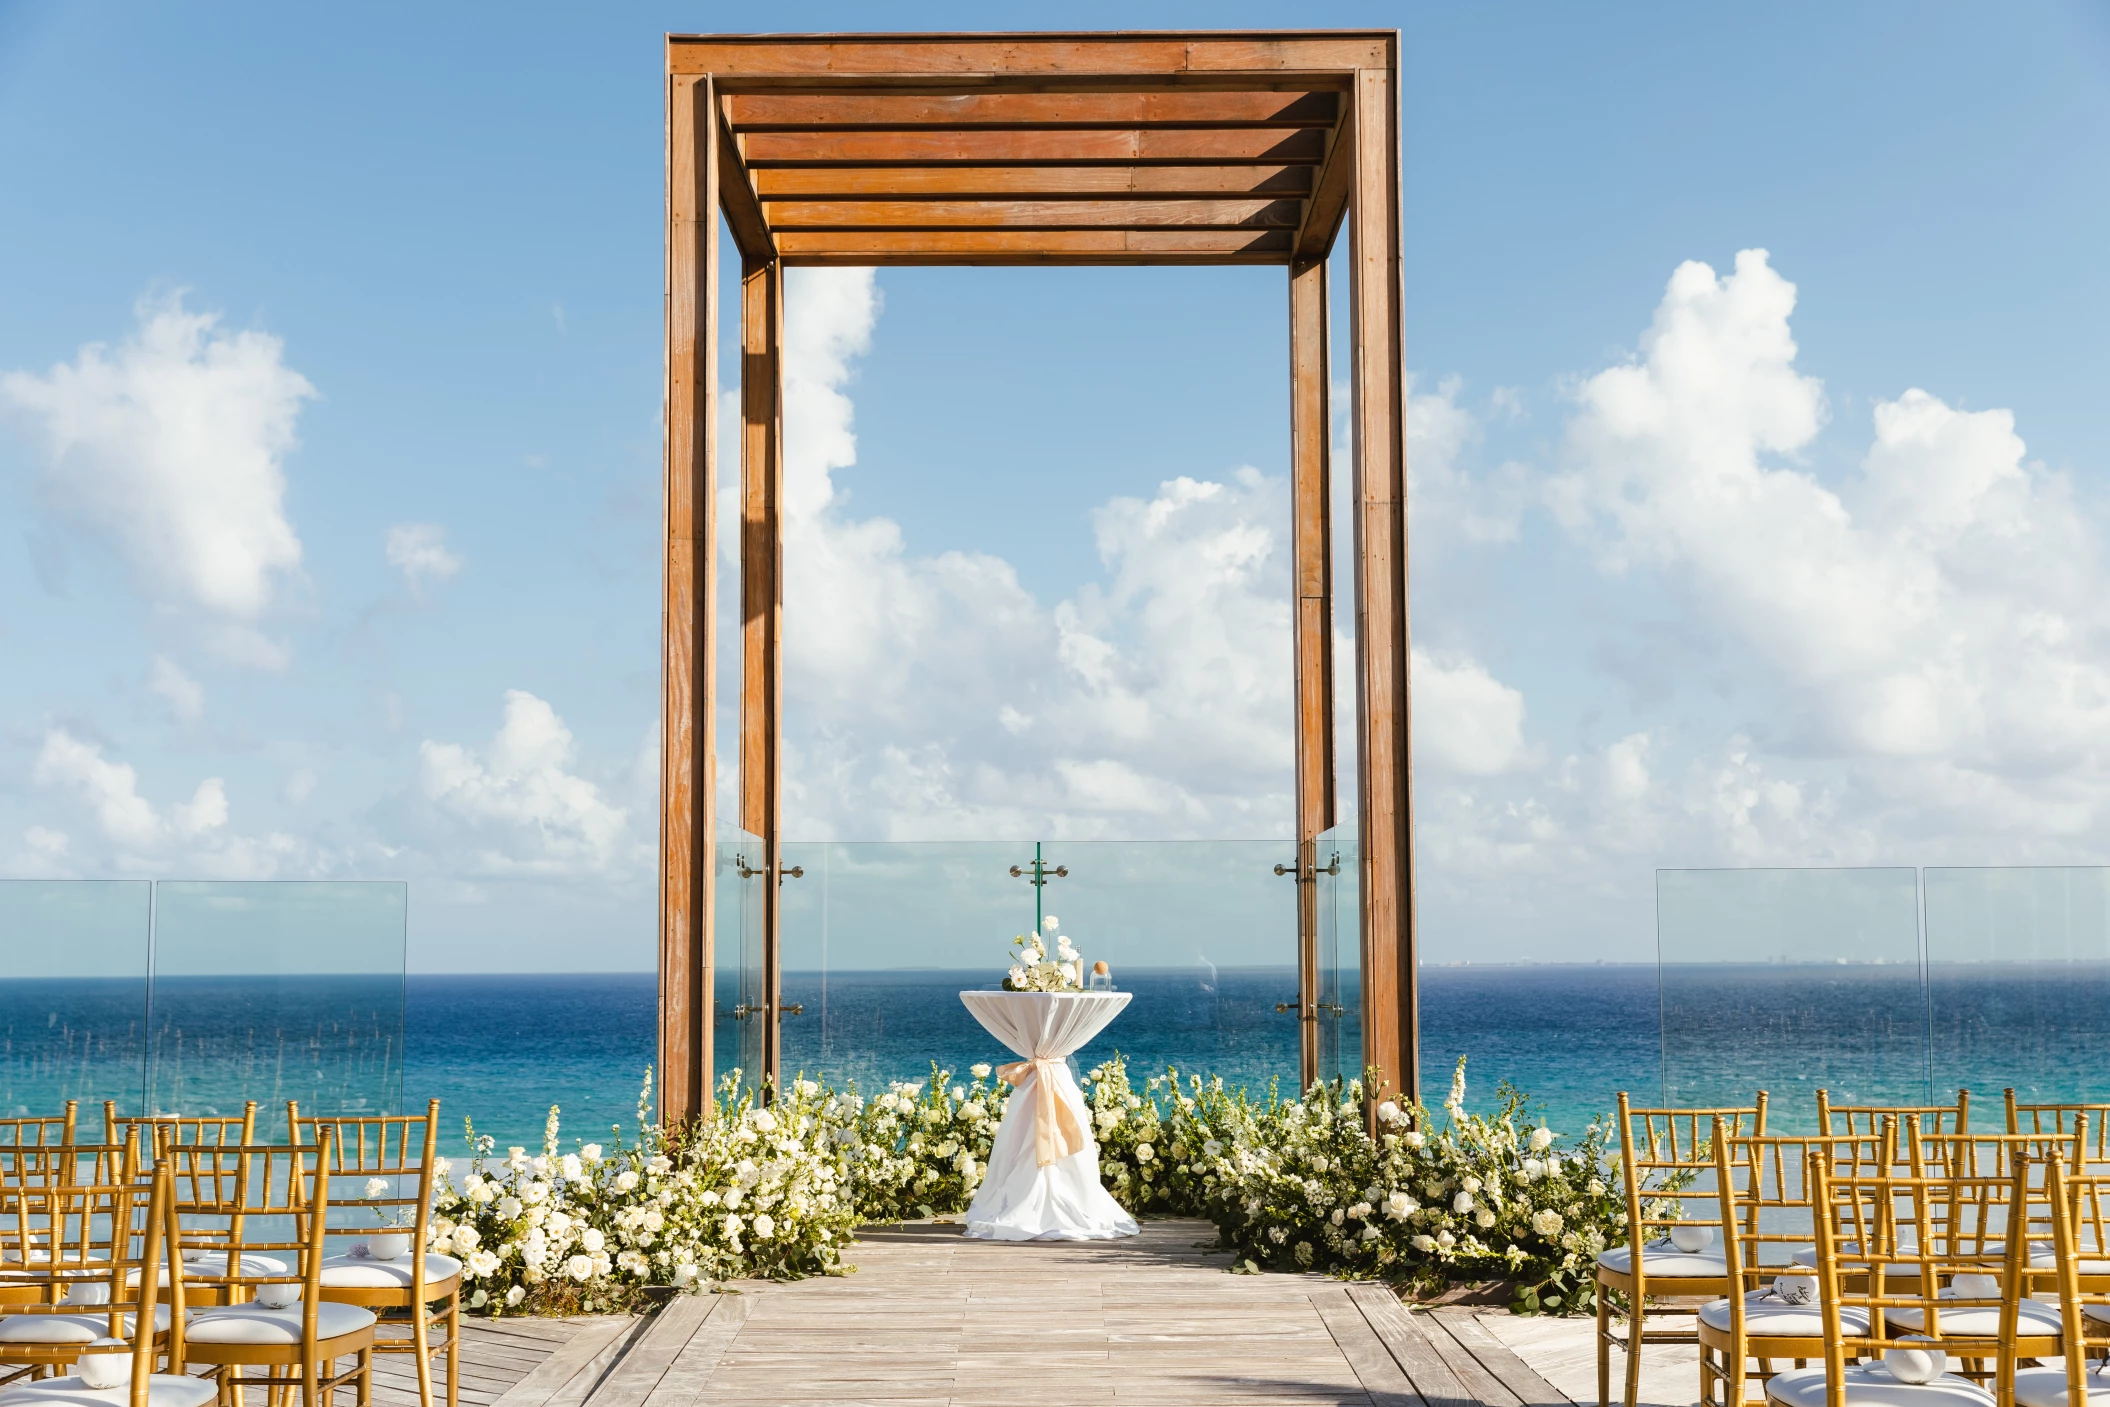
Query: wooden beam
837, 112
1164, 58
955, 182
1311, 434
1248, 214
1035, 246
737, 197
762, 616
1378, 378
1329, 202
688, 640
1058, 146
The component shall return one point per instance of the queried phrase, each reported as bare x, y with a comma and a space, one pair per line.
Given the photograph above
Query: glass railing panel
2018, 984
1338, 889
277, 991
73, 995
739, 1008
1790, 981
1204, 933
879, 940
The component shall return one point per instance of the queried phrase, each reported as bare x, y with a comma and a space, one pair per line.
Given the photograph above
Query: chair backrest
1665, 1155
38, 1131
239, 1198
1870, 1228
2078, 1247
391, 1159
100, 1249
1866, 1119
2061, 1118
156, 1132
1975, 1157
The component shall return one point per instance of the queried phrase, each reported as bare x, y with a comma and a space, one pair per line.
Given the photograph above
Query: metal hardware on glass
743, 1011
1336, 1012
1285, 1006
1038, 874
791, 1009
792, 872
743, 869
1335, 867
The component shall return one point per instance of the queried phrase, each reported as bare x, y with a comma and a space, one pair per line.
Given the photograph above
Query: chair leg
421, 1349
1604, 1349
366, 1376
1634, 1318
454, 1347
309, 1379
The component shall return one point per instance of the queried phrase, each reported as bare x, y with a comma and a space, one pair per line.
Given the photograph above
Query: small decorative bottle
1101, 979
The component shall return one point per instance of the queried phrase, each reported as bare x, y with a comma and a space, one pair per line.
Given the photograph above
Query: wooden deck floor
930, 1318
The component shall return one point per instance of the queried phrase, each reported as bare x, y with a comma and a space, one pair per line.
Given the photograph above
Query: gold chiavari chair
1665, 1155
158, 1131
275, 1202
1961, 1307
25, 1233
2080, 1376
40, 1131
1766, 1221
1987, 1155
87, 1248
394, 1151
2060, 1118
204, 1185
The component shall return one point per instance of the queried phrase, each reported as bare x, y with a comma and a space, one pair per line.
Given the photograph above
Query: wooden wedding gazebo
1134, 148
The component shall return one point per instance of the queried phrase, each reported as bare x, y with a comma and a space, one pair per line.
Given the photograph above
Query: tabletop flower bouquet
1032, 970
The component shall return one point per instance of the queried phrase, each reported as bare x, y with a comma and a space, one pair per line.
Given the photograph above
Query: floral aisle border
776, 1191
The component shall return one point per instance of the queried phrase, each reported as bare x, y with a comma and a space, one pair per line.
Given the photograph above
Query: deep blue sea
503, 1049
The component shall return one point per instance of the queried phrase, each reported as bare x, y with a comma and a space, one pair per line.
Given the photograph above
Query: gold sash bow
1056, 1132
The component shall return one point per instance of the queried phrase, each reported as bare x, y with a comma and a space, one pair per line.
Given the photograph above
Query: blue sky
431, 243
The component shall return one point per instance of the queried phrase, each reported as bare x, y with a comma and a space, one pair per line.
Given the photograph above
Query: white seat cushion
1982, 1320
163, 1390
256, 1323
1765, 1314
2098, 1312
367, 1273
68, 1328
1867, 1385
2046, 1387
213, 1266
1807, 1256
1661, 1258
2044, 1258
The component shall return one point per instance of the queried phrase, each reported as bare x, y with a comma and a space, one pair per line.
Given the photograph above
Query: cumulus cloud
139, 836
520, 805
170, 448
419, 551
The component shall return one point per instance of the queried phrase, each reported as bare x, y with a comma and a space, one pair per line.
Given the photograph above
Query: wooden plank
1083, 56
1330, 191
1311, 545
1379, 1373
687, 630
787, 215
693, 1367
914, 146
1479, 1382
762, 615
793, 112
570, 1359
1034, 246
652, 1352
1409, 1346
1105, 182
1519, 1377
583, 1384
1377, 379
737, 198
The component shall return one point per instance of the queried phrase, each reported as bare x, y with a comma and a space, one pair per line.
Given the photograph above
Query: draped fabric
1042, 1183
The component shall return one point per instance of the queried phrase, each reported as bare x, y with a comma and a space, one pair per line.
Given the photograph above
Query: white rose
579, 1267
763, 1120
733, 1224
570, 1168
1546, 1223
465, 1239
591, 1152
1463, 1202
1337, 1216
1484, 1218
1414, 1138
1388, 1112
516, 1294
626, 1179
482, 1263
509, 1207
1144, 1152
593, 1240
980, 1072
1541, 1138
1424, 1243
765, 1226
534, 1192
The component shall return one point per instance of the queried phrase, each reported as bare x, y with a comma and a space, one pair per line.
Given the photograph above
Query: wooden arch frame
1202, 148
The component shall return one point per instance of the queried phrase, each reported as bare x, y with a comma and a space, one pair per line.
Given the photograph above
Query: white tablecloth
1020, 1200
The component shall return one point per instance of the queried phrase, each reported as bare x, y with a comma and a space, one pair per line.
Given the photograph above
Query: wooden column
1378, 380
1312, 550
762, 614
687, 771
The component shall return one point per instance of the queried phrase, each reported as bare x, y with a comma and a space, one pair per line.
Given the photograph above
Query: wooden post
762, 614
1378, 379
687, 770
1312, 549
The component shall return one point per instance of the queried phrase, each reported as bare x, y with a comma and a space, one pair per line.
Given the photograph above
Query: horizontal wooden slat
789, 215
1046, 55
914, 182
913, 147
791, 112
1034, 246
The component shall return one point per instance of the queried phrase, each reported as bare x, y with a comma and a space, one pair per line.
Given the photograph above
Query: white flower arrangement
1032, 970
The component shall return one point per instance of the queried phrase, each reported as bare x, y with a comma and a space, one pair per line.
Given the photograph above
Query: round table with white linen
1042, 1183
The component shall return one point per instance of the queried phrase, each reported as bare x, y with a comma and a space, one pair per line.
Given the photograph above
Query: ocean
500, 1050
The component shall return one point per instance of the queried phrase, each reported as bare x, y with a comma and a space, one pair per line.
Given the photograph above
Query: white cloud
141, 837
522, 807
1466, 721
171, 449
419, 551
184, 695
